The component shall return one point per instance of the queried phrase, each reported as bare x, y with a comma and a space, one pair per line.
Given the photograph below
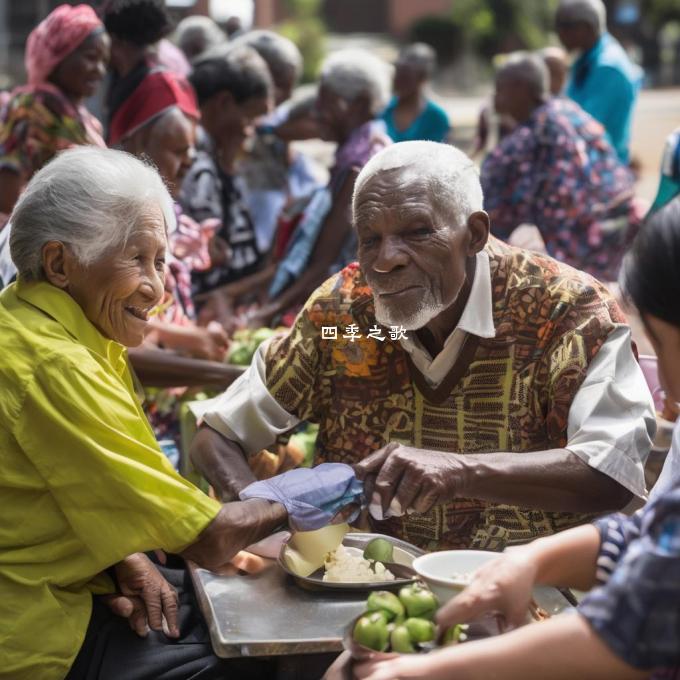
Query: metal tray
404, 553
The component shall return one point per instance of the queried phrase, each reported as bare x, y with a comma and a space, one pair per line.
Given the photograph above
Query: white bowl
437, 569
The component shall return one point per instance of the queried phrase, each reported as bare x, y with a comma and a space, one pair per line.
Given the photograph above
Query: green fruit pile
245, 343
398, 624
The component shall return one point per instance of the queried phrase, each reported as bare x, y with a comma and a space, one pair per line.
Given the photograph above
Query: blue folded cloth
312, 496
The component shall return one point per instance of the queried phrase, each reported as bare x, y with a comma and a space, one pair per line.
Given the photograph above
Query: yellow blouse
83, 482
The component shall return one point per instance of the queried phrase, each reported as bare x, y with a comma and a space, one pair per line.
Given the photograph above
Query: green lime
380, 550
371, 631
420, 630
386, 602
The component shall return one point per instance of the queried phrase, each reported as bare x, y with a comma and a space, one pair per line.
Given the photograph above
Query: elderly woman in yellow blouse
84, 488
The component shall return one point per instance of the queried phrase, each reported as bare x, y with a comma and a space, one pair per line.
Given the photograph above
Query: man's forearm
556, 480
222, 462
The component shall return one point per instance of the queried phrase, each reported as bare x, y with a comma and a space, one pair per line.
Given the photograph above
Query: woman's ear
56, 259
478, 225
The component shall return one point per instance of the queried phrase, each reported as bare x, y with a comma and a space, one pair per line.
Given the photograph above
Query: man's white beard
410, 322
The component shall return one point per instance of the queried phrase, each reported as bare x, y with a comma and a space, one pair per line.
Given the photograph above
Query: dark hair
140, 22
240, 70
651, 270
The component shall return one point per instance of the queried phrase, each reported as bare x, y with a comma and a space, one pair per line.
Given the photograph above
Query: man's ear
478, 225
56, 263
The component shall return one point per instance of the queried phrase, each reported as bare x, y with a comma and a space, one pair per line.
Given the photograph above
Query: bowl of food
448, 572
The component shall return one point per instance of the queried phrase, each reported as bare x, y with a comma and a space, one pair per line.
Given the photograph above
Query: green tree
308, 32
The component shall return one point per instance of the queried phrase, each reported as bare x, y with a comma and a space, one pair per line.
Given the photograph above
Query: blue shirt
431, 125
635, 609
605, 82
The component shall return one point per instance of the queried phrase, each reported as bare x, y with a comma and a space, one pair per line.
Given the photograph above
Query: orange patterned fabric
513, 395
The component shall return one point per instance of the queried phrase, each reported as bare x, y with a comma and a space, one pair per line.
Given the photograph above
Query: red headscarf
54, 38
160, 90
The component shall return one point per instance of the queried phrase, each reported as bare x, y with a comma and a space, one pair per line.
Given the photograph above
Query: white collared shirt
611, 421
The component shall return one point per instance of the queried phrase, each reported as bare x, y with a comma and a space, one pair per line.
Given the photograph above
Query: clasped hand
400, 478
144, 597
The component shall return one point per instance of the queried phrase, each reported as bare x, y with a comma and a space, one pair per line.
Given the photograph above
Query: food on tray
384, 627
380, 550
344, 566
306, 551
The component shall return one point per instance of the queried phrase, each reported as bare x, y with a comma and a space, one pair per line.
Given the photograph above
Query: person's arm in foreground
562, 648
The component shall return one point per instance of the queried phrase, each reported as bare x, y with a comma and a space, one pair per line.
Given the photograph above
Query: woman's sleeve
637, 611
81, 429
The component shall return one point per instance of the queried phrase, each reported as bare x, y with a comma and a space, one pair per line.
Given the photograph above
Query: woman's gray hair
353, 72
419, 55
196, 34
591, 12
89, 198
279, 52
452, 177
529, 68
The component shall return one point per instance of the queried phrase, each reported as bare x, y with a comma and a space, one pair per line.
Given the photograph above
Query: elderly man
603, 79
558, 171
490, 392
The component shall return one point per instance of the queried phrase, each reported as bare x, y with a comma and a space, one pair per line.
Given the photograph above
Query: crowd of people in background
254, 226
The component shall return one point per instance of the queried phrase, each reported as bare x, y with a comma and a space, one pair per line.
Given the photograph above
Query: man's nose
390, 256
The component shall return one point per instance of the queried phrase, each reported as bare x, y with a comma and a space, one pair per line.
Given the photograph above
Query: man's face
411, 251
408, 79
331, 112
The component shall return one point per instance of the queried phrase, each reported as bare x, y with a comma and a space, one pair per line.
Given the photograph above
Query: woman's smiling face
118, 291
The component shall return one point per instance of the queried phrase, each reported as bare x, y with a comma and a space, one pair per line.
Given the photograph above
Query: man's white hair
354, 72
420, 56
451, 176
89, 198
591, 12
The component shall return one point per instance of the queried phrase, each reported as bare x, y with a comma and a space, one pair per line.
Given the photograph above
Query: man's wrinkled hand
145, 597
398, 478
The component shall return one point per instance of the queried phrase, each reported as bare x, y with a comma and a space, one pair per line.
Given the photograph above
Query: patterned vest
510, 393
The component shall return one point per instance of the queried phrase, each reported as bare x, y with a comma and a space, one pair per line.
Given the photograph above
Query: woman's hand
145, 597
404, 667
209, 343
503, 585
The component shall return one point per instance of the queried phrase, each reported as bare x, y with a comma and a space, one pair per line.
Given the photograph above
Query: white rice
344, 566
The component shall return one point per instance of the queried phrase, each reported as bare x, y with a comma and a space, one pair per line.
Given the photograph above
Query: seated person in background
558, 171
136, 27
411, 114
66, 58
234, 88
603, 80
513, 408
628, 626
352, 91
197, 34
271, 174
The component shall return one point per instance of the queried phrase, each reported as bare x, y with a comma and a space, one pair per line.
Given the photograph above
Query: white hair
89, 198
195, 34
452, 177
278, 51
591, 12
353, 72
529, 68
